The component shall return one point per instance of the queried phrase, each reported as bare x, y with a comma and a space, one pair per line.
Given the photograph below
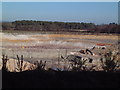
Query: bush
77, 64
110, 63
40, 65
4, 62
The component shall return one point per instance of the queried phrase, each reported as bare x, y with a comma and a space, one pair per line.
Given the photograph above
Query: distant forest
61, 26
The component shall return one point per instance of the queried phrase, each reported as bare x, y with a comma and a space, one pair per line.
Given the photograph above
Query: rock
89, 52
73, 57
103, 48
90, 60
82, 51
115, 52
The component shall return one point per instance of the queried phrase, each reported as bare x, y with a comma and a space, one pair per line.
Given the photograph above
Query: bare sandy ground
49, 47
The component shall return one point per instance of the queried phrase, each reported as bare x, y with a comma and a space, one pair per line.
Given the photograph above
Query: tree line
60, 26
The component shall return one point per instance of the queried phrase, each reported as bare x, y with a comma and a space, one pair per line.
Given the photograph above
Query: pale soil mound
12, 65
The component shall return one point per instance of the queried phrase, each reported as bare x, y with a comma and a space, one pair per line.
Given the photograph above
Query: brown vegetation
60, 26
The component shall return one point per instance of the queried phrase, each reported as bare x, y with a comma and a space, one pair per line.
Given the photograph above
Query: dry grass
112, 37
50, 37
15, 41
25, 40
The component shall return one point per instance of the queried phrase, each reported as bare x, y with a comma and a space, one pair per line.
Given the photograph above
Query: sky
90, 12
60, 0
